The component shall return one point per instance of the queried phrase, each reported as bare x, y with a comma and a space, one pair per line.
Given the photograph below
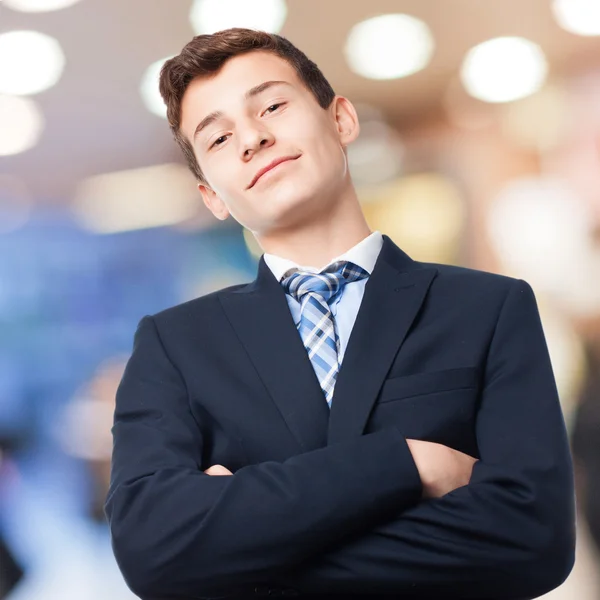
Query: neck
319, 239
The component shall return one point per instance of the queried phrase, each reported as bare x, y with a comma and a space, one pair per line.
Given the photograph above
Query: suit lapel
261, 317
393, 296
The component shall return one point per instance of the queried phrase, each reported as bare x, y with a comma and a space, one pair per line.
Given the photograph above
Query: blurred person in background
86, 569
88, 419
440, 466
10, 570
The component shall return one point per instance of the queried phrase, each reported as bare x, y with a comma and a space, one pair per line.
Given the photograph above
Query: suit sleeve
177, 532
510, 532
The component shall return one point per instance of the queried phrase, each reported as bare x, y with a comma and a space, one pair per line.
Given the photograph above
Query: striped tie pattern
315, 292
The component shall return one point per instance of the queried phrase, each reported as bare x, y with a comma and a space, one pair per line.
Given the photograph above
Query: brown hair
206, 54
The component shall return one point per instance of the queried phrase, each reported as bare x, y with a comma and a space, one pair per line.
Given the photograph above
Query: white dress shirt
344, 307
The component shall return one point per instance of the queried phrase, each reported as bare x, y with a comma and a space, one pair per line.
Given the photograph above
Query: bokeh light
133, 199
34, 6
208, 16
21, 124
30, 62
389, 46
423, 212
149, 89
504, 69
581, 17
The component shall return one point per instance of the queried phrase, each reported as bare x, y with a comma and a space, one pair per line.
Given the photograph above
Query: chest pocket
429, 383
439, 406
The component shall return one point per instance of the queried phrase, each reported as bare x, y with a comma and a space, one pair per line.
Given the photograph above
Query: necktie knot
327, 284
315, 292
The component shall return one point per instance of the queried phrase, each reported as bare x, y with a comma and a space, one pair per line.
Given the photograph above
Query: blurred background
480, 146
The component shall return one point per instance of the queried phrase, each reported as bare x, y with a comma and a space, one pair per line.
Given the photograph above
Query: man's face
261, 112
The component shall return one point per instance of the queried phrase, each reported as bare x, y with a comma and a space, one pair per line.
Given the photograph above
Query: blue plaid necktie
315, 292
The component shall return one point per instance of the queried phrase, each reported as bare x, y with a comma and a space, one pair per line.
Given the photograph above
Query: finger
218, 470
223, 471
214, 468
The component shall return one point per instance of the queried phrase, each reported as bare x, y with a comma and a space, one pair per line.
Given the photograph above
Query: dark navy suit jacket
330, 502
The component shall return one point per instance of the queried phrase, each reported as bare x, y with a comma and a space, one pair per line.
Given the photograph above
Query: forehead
225, 90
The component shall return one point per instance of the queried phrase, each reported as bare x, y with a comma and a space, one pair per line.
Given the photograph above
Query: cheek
222, 178
330, 160
325, 144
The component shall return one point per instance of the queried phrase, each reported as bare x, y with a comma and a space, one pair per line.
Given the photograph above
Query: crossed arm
509, 533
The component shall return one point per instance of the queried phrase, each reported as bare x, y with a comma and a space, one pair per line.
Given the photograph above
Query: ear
346, 120
213, 202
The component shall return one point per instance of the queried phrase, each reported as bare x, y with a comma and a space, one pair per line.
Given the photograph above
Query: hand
218, 470
442, 469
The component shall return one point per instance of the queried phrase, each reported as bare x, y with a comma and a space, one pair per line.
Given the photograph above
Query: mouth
270, 167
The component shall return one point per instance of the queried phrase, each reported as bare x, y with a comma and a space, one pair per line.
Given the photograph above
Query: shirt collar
364, 254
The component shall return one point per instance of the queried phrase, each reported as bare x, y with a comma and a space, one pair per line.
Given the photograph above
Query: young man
382, 426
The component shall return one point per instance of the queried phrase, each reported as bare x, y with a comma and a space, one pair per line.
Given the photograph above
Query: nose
253, 140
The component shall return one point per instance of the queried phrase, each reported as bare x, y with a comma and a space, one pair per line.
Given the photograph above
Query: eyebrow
251, 93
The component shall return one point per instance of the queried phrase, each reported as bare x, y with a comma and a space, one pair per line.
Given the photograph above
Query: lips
270, 166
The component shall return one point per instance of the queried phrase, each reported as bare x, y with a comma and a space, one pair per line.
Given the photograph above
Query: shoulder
201, 309
469, 284
467, 276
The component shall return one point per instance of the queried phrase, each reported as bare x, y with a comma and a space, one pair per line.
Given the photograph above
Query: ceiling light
504, 69
21, 124
154, 196
38, 5
423, 211
149, 89
389, 46
208, 16
578, 16
542, 232
30, 62
540, 121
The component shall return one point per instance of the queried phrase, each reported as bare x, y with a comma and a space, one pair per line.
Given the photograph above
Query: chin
296, 214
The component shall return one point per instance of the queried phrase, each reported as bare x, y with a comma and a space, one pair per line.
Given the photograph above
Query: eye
217, 143
274, 107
